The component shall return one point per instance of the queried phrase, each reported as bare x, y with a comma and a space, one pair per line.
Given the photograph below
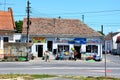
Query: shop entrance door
77, 48
40, 50
49, 45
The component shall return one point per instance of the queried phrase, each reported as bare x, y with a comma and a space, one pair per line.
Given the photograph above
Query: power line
4, 4
107, 25
91, 12
76, 13
45, 14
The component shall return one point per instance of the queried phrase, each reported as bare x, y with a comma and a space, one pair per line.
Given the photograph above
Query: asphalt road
66, 67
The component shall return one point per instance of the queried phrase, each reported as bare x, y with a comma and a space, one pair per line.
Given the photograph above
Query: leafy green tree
18, 26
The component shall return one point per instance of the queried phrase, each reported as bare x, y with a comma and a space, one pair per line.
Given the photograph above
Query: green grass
42, 76
39, 76
25, 76
91, 78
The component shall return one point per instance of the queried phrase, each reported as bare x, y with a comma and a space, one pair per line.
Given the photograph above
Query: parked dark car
114, 52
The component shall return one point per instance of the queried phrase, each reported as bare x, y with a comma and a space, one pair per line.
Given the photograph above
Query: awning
78, 41
118, 39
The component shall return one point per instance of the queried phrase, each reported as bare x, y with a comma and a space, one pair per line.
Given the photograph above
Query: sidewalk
53, 60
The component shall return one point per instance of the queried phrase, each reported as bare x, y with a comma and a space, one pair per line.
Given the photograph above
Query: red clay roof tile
53, 26
6, 20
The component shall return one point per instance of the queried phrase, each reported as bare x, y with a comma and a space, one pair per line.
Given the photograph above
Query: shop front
39, 46
64, 46
91, 46
94, 47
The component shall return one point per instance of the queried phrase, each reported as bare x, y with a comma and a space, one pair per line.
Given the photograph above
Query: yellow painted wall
1, 53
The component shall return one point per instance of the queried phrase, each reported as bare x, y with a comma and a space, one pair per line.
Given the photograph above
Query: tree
18, 26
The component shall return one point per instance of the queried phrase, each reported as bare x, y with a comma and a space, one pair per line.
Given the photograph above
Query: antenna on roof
4, 4
83, 18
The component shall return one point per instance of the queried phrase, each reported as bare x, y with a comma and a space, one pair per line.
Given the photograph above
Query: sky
96, 12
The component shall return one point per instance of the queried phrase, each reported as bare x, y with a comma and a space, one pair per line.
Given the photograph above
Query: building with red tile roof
56, 34
7, 28
53, 27
7, 20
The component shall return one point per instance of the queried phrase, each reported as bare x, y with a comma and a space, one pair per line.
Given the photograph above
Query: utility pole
28, 20
28, 25
104, 55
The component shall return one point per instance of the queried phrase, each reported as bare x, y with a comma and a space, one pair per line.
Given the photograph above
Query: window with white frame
92, 48
63, 48
5, 39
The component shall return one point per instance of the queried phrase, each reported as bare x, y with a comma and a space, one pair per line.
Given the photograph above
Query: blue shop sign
94, 40
78, 41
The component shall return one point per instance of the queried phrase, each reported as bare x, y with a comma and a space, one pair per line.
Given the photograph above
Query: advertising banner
77, 41
39, 40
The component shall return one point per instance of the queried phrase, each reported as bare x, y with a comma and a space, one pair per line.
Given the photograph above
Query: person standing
71, 55
47, 54
75, 55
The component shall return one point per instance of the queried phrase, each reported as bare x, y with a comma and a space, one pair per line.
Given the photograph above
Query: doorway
50, 45
40, 50
77, 48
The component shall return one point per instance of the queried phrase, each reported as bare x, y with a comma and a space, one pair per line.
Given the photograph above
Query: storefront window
92, 48
63, 48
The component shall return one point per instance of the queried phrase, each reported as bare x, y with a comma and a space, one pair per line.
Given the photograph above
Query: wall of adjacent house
100, 50
108, 45
1, 48
11, 38
114, 41
17, 37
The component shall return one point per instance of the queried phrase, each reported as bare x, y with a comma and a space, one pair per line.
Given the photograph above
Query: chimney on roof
10, 9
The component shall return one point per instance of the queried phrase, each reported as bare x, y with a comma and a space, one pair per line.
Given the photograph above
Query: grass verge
39, 76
